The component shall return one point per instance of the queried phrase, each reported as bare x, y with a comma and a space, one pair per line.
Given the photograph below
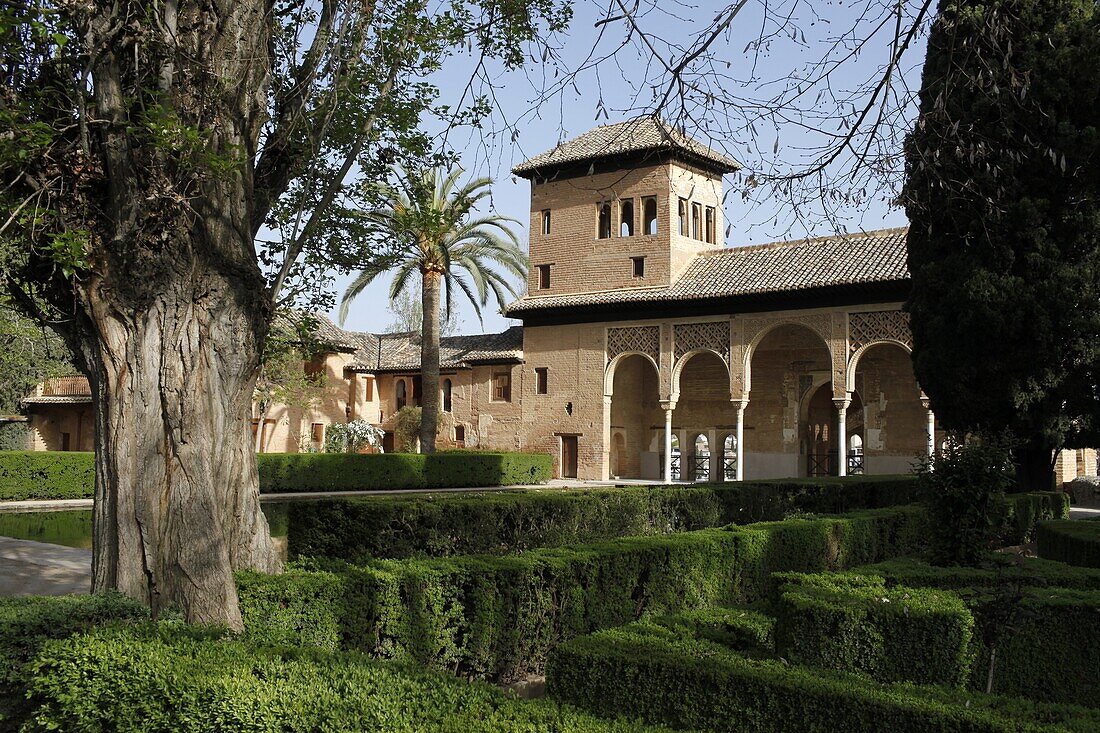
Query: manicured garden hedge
1024, 511
1047, 638
498, 617
664, 675
1075, 542
171, 678
46, 475
502, 522
892, 635
71, 475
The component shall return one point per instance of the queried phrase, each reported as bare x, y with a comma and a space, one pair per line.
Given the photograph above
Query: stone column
842, 434
740, 406
668, 407
605, 472
931, 428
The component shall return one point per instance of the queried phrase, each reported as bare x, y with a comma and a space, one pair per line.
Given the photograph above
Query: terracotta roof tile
866, 257
637, 135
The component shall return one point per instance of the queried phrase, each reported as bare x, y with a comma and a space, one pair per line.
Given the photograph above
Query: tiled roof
401, 351
325, 330
851, 259
58, 400
633, 136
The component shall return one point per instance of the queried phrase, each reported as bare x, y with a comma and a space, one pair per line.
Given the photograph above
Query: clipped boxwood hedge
1074, 542
1024, 511
361, 528
167, 679
498, 617
893, 635
46, 475
1046, 639
664, 675
71, 475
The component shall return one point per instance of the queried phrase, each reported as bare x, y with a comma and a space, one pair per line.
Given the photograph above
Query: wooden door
569, 456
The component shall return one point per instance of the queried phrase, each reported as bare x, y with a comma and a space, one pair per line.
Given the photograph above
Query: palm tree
427, 215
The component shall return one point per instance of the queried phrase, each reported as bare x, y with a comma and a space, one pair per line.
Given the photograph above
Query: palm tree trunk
429, 362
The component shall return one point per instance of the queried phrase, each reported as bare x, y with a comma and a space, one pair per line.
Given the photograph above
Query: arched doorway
729, 457
677, 464
703, 409
637, 420
820, 439
790, 373
893, 421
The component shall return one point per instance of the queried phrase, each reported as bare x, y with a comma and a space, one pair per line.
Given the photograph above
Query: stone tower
622, 206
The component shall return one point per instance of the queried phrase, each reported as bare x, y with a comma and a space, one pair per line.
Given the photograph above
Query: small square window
544, 277
638, 265
546, 221
542, 380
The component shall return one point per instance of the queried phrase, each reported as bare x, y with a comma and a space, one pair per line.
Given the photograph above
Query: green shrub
1073, 542
28, 623
1023, 512
499, 616
46, 475
1045, 636
896, 635
504, 522
71, 475
996, 569
181, 679
289, 472
963, 486
643, 671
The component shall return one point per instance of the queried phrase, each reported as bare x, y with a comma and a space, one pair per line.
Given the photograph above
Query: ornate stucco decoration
712, 335
867, 328
640, 339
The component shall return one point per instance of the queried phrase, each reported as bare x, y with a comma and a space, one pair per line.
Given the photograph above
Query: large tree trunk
429, 362
172, 310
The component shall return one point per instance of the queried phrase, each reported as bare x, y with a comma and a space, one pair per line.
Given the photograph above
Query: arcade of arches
765, 398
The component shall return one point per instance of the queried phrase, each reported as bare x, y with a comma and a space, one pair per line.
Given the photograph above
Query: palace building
649, 350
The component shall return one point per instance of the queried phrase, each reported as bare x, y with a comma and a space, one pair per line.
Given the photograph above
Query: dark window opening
544, 277
460, 435
546, 221
683, 213
710, 224
638, 264
400, 394
418, 391
502, 386
317, 435
446, 395
696, 221
649, 215
542, 380
605, 221
626, 218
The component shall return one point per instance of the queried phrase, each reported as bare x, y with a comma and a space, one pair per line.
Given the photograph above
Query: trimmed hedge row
1046, 639
71, 475
1074, 542
896, 635
153, 679
498, 617
46, 475
1024, 511
504, 522
662, 675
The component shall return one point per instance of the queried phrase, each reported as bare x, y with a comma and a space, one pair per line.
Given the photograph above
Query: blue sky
603, 95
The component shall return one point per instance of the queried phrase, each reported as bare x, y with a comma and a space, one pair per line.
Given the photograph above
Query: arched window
675, 457
701, 458
855, 445
401, 394
649, 215
446, 395
604, 221
626, 218
729, 458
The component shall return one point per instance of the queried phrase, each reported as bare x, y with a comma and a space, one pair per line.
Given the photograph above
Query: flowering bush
352, 437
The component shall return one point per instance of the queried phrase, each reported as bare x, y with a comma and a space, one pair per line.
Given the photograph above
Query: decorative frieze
713, 335
869, 327
640, 339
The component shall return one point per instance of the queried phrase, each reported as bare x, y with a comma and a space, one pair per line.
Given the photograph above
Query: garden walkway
36, 568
